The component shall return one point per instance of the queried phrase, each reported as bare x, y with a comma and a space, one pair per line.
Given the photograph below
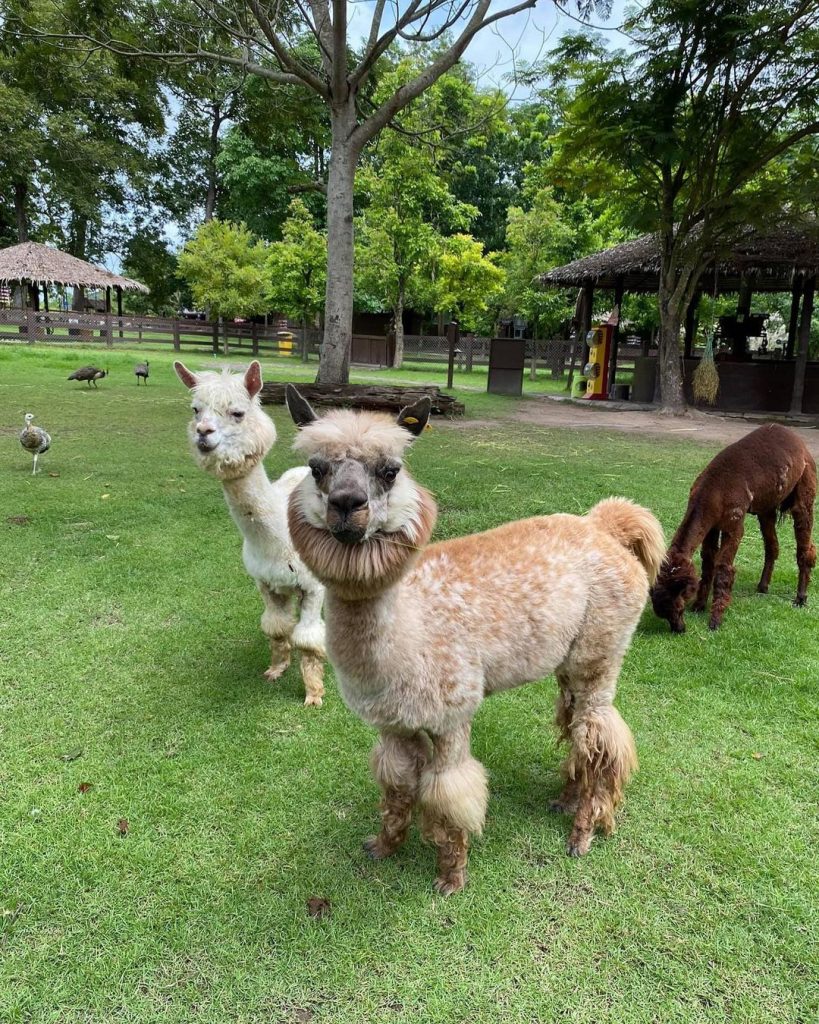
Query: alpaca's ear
185, 375
299, 408
253, 378
414, 417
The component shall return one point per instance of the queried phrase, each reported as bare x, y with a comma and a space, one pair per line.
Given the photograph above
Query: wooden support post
176, 340
109, 330
108, 299
31, 324
216, 338
119, 308
586, 322
793, 323
254, 338
452, 334
740, 339
804, 343
615, 337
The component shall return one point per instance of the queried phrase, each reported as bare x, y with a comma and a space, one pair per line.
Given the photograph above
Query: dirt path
695, 425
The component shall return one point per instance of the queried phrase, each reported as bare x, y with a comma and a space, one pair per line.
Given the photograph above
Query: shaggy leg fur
453, 795
312, 674
569, 796
602, 756
724, 574
802, 512
277, 625
397, 762
308, 637
767, 524
710, 546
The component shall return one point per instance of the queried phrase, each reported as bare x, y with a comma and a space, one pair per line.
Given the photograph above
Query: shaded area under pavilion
784, 261
33, 267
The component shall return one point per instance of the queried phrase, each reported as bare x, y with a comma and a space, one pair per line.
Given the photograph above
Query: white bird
34, 439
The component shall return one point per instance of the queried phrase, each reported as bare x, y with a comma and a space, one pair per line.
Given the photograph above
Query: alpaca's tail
635, 528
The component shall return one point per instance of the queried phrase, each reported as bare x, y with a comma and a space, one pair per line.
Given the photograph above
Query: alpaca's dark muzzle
348, 515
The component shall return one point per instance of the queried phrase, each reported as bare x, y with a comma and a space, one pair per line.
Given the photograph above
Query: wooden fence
67, 326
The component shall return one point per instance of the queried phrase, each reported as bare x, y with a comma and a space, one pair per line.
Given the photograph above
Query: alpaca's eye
237, 414
196, 410
317, 473
318, 468
389, 474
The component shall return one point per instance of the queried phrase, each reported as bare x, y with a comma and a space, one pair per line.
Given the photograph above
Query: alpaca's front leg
453, 795
725, 573
397, 762
308, 637
277, 625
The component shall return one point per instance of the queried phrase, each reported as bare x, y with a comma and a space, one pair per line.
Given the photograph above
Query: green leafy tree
688, 131
466, 282
226, 270
407, 204
148, 259
297, 267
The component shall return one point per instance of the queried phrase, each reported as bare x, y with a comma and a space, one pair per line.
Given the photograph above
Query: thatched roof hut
35, 264
769, 258
38, 266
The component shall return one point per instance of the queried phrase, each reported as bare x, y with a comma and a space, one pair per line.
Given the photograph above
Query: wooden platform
381, 398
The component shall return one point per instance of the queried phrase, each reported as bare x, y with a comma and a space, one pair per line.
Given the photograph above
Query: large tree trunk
20, 197
334, 365
669, 389
398, 320
77, 248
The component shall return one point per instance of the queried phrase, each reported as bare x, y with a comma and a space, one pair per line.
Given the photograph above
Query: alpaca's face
358, 487
229, 432
675, 586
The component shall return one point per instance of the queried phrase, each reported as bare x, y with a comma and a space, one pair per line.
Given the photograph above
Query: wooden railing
67, 326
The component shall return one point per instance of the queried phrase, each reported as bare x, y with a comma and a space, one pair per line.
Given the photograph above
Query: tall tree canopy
263, 40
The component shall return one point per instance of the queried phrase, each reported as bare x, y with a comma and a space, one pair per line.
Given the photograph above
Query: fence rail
246, 339
67, 326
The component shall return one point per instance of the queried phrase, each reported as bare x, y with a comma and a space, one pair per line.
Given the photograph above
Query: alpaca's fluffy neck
361, 572
247, 493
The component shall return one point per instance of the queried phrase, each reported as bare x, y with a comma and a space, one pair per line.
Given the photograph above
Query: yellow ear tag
428, 426
410, 419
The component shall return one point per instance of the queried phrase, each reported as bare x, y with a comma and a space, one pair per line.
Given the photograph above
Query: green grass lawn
132, 660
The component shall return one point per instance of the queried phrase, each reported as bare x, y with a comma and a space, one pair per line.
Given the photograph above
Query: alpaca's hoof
714, 624
800, 602
762, 588
559, 806
373, 848
275, 672
313, 700
678, 627
578, 846
451, 884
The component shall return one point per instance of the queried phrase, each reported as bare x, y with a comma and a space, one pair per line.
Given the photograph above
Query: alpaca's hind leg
397, 762
710, 546
767, 524
602, 755
725, 573
277, 625
802, 512
453, 795
566, 802
308, 637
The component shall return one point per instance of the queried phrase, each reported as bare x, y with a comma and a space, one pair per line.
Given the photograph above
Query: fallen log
381, 397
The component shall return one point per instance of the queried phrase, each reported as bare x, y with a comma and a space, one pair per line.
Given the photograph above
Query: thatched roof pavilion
39, 266
782, 260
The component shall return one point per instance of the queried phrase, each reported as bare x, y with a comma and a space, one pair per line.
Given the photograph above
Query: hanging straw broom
705, 382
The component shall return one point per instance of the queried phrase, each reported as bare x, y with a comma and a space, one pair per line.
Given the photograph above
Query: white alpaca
418, 635
230, 436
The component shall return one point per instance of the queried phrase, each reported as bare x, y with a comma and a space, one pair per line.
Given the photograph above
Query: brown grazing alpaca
769, 472
419, 634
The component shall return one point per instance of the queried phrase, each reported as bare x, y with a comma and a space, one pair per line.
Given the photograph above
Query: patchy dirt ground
695, 425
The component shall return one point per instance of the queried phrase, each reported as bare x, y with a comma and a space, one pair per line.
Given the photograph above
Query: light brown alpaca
419, 635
